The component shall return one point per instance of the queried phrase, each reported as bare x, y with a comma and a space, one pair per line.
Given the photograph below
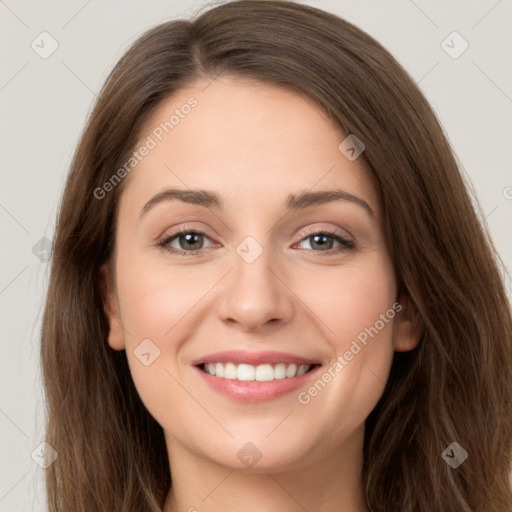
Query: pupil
315, 237
189, 238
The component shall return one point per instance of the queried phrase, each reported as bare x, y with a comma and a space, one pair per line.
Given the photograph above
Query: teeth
245, 371
291, 370
230, 371
280, 371
261, 373
302, 370
264, 372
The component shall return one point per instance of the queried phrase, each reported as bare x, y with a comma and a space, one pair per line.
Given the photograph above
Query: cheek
358, 315
154, 300
352, 299
159, 304
362, 308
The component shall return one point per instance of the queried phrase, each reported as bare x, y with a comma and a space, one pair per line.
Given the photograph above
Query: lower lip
255, 391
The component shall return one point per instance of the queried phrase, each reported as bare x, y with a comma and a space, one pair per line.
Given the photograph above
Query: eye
189, 242
321, 239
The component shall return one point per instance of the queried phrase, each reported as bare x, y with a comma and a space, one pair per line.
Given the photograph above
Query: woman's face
256, 285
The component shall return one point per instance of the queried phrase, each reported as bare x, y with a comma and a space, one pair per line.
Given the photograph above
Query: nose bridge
254, 295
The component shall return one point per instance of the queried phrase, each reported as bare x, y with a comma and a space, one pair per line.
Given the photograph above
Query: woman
257, 369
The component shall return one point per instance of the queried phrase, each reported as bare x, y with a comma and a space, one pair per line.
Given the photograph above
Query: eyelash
347, 244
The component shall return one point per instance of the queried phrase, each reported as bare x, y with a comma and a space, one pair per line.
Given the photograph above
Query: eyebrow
298, 201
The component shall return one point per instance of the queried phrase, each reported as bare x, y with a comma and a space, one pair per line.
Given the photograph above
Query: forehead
244, 138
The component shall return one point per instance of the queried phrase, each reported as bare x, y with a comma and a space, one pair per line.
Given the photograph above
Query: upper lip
253, 358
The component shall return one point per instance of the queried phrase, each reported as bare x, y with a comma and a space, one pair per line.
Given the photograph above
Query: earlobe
408, 327
111, 309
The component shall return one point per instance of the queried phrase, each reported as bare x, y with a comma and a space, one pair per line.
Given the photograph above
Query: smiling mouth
260, 373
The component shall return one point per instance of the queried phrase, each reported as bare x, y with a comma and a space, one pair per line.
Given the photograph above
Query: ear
408, 327
111, 308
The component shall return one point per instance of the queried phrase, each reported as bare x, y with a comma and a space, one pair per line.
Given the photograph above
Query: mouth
255, 377
262, 373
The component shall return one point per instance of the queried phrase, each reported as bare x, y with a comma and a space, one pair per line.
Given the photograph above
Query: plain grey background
44, 103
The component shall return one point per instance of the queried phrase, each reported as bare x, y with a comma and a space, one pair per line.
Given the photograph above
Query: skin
246, 141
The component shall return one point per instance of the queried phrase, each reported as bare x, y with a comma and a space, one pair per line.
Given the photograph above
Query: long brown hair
456, 386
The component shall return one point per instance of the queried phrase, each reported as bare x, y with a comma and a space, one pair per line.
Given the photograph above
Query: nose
255, 294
